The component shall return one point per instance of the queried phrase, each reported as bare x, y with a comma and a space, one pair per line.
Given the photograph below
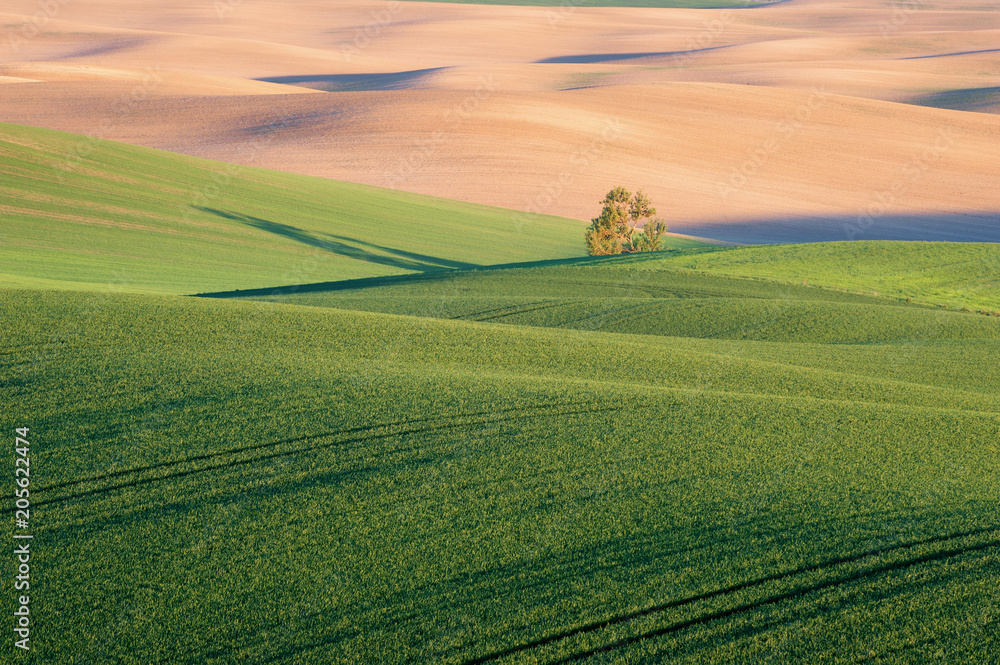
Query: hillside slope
82, 213
954, 274
275, 483
814, 120
675, 293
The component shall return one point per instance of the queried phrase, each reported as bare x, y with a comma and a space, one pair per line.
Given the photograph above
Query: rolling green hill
407, 451
257, 482
641, 295
953, 274
133, 219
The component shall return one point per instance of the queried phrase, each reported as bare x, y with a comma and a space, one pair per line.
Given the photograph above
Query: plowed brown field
806, 120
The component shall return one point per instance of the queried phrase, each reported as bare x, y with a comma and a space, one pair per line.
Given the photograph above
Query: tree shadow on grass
386, 256
424, 258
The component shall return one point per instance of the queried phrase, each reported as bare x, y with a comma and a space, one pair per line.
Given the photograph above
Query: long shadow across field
980, 226
388, 280
338, 245
421, 258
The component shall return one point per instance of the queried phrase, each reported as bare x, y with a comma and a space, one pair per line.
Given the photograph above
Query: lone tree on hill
614, 231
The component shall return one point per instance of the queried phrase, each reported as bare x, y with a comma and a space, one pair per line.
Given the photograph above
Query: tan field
805, 120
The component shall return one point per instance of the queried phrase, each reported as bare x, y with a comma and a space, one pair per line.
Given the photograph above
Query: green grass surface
253, 482
133, 219
686, 457
953, 274
635, 295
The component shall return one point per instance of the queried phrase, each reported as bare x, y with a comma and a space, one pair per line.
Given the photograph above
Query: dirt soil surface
804, 120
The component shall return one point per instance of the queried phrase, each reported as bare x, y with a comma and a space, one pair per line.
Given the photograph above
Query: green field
85, 214
642, 295
952, 274
684, 457
273, 483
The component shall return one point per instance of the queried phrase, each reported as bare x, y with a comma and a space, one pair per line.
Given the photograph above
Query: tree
613, 232
651, 239
607, 232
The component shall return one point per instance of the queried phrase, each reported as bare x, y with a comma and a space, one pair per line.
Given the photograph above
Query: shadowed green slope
134, 219
955, 274
642, 295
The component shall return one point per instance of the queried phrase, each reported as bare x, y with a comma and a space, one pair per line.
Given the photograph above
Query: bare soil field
805, 120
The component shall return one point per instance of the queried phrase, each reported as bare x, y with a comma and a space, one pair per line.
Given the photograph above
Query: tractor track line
289, 453
829, 563
522, 311
307, 437
789, 595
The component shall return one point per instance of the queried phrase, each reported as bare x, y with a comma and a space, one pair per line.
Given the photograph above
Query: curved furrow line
559, 303
777, 598
718, 593
473, 315
288, 453
306, 437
